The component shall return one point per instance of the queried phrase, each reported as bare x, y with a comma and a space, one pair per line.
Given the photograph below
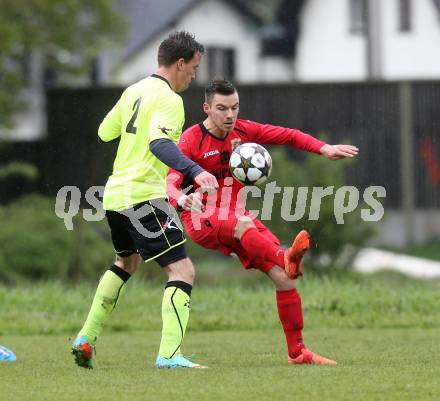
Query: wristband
181, 200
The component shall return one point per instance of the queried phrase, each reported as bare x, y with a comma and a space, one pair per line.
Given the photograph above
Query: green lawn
430, 250
374, 364
339, 300
383, 330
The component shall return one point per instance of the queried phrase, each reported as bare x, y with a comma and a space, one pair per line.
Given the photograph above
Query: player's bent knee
130, 263
280, 279
188, 273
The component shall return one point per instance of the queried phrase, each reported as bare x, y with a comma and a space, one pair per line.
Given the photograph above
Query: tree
66, 33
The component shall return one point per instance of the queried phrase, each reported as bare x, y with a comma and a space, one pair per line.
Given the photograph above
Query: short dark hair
218, 85
181, 44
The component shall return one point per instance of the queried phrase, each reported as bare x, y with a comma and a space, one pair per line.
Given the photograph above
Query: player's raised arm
275, 135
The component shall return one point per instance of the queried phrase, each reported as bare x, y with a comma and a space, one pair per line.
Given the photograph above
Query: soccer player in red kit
228, 227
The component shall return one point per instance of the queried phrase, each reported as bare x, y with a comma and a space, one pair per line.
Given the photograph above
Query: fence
374, 116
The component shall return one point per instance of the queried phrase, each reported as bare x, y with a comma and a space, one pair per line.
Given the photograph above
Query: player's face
186, 72
223, 111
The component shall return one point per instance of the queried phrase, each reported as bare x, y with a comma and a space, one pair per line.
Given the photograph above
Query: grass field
374, 364
383, 330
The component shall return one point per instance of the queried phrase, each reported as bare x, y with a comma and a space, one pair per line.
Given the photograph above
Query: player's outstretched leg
264, 248
291, 317
293, 256
258, 245
105, 300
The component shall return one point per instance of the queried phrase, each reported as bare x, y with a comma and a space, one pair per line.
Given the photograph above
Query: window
404, 15
358, 17
218, 61
437, 6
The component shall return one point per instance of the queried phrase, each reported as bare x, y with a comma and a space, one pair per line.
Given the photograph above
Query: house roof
147, 18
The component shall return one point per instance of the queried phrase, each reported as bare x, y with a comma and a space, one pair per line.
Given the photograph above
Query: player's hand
206, 181
336, 152
191, 202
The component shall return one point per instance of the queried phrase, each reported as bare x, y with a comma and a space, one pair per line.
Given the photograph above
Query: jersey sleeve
275, 135
167, 118
175, 178
110, 127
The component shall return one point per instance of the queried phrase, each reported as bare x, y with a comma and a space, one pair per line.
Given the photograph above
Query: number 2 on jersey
130, 126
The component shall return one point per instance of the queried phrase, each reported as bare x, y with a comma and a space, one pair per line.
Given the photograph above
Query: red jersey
213, 154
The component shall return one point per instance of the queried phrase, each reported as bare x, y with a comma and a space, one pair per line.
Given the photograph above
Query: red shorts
212, 233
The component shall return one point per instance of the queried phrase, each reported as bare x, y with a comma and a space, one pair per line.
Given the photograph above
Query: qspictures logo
296, 204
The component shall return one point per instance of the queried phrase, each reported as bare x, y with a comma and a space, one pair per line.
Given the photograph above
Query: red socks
262, 248
288, 302
290, 313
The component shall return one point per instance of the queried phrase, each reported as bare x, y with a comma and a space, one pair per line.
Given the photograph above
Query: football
250, 164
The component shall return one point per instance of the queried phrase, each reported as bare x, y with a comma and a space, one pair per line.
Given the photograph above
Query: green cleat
177, 361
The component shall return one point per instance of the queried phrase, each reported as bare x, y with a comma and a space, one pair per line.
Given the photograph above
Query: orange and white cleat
309, 357
293, 256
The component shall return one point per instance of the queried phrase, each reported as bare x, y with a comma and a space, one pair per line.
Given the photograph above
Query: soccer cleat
309, 357
177, 361
293, 256
83, 351
6, 355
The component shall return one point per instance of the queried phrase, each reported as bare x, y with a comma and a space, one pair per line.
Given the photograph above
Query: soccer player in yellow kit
147, 120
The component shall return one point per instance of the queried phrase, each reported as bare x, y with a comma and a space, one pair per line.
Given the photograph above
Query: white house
337, 40
229, 32
336, 44
331, 41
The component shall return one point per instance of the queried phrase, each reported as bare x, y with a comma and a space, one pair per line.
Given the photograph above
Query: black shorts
150, 229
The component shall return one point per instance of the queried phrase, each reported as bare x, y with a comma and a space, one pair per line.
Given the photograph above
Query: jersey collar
162, 78
206, 132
